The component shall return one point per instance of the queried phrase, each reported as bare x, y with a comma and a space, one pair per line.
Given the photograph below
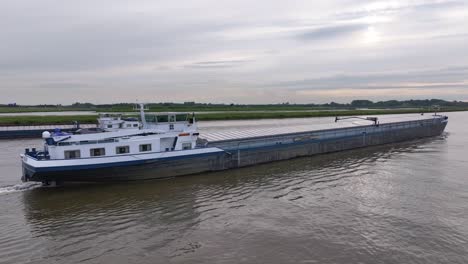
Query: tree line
354, 104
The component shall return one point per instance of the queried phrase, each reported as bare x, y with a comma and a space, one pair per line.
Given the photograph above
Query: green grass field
217, 107
91, 119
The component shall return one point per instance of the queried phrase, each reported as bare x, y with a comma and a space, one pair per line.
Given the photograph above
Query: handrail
373, 119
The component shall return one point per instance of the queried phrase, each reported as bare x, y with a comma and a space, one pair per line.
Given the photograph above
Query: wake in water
19, 187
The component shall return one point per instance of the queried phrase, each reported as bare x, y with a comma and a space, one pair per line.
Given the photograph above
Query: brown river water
399, 203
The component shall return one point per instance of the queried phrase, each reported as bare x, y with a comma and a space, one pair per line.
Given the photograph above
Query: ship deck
318, 125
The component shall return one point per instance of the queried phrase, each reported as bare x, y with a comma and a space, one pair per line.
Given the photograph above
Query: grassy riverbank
90, 119
220, 107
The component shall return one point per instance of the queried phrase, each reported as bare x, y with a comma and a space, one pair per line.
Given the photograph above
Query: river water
400, 203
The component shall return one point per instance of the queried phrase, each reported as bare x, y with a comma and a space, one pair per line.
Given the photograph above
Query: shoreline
8, 121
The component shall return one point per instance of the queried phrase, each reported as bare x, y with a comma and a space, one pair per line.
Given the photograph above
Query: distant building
12, 105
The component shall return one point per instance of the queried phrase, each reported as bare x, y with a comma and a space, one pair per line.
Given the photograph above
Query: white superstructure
109, 122
157, 133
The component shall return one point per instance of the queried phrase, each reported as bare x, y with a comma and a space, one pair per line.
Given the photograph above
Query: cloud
454, 77
61, 85
217, 64
331, 32
229, 51
395, 7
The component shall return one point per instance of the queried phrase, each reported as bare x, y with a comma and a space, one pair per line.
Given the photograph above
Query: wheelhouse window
151, 118
181, 118
97, 152
145, 147
186, 146
72, 154
162, 119
122, 150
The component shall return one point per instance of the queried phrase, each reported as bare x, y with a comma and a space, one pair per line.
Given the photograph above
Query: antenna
436, 109
138, 106
141, 107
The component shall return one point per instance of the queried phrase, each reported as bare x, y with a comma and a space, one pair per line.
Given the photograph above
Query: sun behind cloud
371, 36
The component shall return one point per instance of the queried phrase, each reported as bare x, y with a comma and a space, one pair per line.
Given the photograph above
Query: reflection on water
401, 203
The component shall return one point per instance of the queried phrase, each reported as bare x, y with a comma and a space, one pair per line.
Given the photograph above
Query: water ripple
401, 203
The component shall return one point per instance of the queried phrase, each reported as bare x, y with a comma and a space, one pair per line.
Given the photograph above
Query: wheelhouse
108, 122
170, 121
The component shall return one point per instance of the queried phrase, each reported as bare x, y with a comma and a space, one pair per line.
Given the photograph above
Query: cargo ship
165, 145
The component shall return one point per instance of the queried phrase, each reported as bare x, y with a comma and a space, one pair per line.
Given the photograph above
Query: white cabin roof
107, 135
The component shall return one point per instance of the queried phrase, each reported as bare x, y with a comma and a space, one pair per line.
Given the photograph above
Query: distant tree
82, 105
362, 103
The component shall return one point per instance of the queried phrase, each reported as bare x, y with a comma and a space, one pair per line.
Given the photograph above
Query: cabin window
162, 119
72, 154
186, 146
122, 150
135, 125
145, 147
97, 152
181, 118
129, 125
172, 118
109, 126
151, 118
171, 127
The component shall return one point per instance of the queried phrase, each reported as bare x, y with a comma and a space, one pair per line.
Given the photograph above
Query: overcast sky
238, 51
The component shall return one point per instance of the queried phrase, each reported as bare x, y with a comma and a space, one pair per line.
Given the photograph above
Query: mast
142, 115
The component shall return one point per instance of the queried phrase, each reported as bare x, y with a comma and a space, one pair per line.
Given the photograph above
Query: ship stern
28, 170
